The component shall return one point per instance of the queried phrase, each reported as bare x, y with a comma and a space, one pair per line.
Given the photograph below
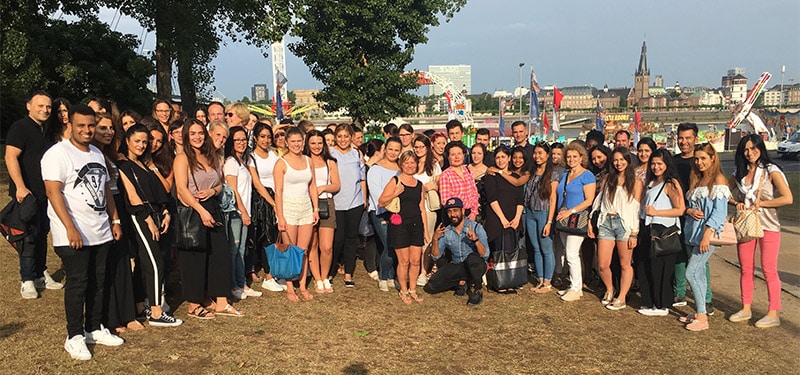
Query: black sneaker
709, 309
144, 314
461, 291
475, 298
165, 320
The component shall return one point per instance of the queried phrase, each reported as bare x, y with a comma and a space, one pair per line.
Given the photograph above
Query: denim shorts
612, 230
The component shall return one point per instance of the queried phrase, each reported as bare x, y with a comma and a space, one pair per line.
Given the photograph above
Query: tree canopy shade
359, 50
72, 60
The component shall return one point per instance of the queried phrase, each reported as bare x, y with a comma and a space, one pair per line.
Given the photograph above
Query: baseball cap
453, 203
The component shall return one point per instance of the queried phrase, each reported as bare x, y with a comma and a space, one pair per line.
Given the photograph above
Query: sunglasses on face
229, 114
278, 135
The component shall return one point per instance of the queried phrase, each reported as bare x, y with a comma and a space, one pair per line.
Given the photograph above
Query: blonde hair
241, 111
216, 124
713, 171
577, 147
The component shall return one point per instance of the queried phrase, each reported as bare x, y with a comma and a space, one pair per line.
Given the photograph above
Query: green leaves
360, 49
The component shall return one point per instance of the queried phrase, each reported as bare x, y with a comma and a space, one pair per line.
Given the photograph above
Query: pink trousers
770, 245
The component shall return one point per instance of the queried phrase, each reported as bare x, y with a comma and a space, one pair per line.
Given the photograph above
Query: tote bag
285, 260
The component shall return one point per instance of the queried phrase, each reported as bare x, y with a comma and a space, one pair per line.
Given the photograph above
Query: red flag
557, 96
545, 123
637, 118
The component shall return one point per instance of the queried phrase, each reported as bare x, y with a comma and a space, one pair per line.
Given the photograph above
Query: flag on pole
450, 114
756, 123
557, 97
545, 124
502, 105
534, 97
637, 118
280, 80
600, 118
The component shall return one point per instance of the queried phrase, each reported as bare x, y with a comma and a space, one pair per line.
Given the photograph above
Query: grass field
364, 331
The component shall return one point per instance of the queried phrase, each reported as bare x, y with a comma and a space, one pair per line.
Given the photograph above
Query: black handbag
664, 240
324, 209
576, 223
189, 229
509, 269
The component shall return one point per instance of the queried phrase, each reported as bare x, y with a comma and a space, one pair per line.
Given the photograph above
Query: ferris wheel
457, 103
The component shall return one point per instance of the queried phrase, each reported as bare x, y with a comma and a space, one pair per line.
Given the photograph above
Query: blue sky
568, 43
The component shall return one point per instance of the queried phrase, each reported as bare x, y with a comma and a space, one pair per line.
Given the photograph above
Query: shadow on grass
355, 369
6, 330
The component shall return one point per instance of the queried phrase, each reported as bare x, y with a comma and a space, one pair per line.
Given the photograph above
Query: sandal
687, 319
230, 311
200, 312
320, 287
533, 288
543, 289
292, 297
414, 296
405, 297
119, 330
254, 277
306, 295
134, 325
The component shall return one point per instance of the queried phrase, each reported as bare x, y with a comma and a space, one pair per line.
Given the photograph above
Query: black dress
509, 197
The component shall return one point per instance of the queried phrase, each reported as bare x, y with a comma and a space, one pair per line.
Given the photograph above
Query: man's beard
455, 221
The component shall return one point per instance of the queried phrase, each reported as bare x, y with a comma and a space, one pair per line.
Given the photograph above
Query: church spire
642, 70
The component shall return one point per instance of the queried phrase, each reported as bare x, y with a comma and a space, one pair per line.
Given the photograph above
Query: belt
613, 215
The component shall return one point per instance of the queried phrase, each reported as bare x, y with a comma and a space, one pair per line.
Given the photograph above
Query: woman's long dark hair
53, 127
545, 186
207, 148
613, 173
742, 165
526, 161
229, 151
605, 150
326, 153
370, 147
671, 171
164, 156
429, 161
136, 128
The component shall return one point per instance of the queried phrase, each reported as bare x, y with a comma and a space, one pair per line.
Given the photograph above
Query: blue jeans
386, 261
612, 230
543, 256
237, 241
696, 275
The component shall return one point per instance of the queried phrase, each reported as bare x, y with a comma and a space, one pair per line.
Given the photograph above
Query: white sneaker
250, 292
272, 285
28, 290
383, 285
238, 294
660, 312
422, 279
76, 347
49, 283
572, 295
103, 336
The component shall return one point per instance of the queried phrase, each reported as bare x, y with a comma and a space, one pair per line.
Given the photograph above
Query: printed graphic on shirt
92, 180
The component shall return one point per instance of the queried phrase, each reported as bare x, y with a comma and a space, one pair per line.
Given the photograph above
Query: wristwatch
572, 211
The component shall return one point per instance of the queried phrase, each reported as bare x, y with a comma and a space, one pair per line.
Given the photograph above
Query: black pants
118, 306
151, 261
83, 294
33, 257
655, 280
449, 275
345, 239
207, 272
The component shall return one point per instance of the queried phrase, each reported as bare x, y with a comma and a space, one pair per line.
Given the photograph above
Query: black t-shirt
684, 167
26, 135
527, 149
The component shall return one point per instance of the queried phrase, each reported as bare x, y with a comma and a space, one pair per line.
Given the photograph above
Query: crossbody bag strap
656, 199
564, 194
141, 191
760, 185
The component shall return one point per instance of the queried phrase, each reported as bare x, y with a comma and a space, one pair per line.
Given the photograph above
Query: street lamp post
783, 70
520, 89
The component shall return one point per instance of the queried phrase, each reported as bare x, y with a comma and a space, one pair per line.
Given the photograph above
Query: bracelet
154, 169
634, 236
116, 221
316, 209
549, 222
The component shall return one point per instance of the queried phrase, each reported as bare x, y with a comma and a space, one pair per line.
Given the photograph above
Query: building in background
736, 82
259, 92
459, 75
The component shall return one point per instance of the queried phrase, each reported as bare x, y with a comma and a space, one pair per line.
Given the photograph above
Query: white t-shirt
84, 177
244, 182
265, 168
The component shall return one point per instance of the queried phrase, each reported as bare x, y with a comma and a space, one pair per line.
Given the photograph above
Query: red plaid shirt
451, 185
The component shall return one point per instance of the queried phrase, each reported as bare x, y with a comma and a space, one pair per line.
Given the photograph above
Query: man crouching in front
468, 247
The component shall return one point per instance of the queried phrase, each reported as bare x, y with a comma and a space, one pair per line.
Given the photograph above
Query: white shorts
298, 211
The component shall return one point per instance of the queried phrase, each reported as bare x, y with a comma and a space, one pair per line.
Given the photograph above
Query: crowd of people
420, 209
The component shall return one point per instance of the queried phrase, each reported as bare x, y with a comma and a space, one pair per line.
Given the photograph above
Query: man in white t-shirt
76, 182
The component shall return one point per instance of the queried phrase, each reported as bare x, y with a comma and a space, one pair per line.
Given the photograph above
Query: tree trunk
186, 82
163, 67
